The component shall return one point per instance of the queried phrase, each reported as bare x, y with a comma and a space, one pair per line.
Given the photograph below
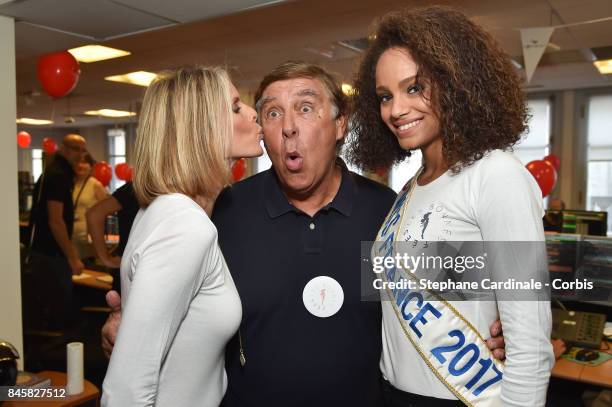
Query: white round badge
323, 296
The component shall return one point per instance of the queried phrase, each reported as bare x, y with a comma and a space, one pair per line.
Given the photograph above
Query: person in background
559, 347
86, 193
53, 258
179, 299
556, 204
553, 219
123, 201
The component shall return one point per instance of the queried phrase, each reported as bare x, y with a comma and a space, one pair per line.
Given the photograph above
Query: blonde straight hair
183, 135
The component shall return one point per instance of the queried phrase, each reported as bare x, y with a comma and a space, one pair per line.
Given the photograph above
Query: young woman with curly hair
433, 80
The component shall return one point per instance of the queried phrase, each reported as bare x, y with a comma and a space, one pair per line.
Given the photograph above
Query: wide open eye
272, 114
306, 109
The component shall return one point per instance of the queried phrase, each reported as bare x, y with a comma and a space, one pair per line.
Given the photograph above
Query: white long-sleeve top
495, 199
179, 309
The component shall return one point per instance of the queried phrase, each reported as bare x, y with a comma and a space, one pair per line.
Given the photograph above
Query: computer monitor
563, 252
573, 257
595, 264
584, 222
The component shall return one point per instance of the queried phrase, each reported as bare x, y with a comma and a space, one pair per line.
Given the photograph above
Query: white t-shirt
495, 199
179, 309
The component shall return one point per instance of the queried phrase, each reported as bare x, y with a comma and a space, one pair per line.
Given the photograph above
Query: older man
291, 237
308, 340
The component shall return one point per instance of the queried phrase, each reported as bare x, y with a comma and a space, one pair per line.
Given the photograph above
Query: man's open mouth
294, 161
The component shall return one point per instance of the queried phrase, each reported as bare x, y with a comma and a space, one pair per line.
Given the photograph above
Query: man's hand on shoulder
111, 326
496, 343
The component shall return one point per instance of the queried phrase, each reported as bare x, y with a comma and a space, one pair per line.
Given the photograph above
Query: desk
90, 394
88, 279
600, 375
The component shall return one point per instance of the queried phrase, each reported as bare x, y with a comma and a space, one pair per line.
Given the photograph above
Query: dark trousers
48, 288
397, 398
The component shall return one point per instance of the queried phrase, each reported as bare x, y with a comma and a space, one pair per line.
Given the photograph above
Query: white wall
10, 280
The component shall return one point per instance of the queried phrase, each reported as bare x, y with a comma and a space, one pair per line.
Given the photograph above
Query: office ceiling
251, 37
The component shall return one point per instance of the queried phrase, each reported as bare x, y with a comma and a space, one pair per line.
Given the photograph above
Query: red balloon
58, 73
49, 145
24, 139
129, 174
103, 172
545, 175
123, 171
238, 169
554, 160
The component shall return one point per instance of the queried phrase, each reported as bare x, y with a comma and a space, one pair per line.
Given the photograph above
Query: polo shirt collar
343, 201
277, 204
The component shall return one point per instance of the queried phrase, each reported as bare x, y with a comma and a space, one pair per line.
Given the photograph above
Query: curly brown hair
476, 93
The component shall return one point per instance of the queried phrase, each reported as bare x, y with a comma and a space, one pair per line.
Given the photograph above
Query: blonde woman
179, 299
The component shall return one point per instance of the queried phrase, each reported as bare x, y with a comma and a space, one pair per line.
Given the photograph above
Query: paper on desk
105, 279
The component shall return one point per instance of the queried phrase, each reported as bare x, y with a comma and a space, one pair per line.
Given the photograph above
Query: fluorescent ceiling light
94, 53
110, 113
140, 78
604, 67
35, 122
347, 89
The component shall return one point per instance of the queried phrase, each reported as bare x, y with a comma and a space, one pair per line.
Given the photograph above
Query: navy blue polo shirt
273, 249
